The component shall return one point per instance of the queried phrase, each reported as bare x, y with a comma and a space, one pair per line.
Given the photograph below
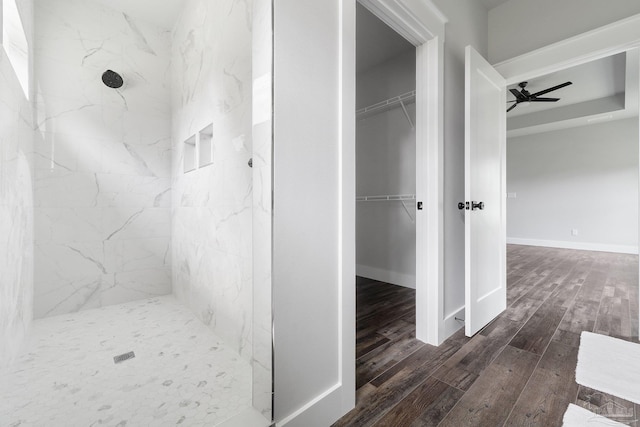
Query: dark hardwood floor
519, 370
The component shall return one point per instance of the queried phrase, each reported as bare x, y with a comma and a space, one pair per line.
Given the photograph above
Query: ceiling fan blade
512, 107
551, 89
518, 95
544, 99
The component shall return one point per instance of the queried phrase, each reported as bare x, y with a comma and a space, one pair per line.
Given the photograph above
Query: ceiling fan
524, 96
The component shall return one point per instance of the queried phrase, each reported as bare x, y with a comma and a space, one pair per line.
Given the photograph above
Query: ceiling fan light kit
525, 98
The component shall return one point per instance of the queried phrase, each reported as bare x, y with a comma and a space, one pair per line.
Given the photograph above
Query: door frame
617, 37
423, 25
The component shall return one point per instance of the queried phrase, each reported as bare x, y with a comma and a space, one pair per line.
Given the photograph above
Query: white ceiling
163, 13
594, 80
376, 41
602, 90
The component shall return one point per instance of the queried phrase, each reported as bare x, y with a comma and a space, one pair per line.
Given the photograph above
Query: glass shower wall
221, 212
262, 114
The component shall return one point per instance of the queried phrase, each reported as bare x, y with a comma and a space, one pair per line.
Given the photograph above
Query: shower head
112, 79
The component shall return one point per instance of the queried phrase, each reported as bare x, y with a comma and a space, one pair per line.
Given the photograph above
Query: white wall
312, 387
211, 206
102, 160
518, 26
584, 178
16, 205
385, 164
467, 25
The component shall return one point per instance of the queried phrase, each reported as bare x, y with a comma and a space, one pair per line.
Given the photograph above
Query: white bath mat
610, 365
580, 417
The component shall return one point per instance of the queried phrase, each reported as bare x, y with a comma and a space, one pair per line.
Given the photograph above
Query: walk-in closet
385, 153
385, 197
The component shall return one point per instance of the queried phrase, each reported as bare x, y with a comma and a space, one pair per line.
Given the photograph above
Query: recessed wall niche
198, 149
190, 154
205, 147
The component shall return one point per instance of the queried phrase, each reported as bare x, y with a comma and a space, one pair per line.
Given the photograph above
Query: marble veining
212, 206
182, 374
102, 184
16, 207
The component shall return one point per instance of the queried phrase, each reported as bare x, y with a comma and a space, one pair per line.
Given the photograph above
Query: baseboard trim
387, 276
584, 246
451, 325
319, 412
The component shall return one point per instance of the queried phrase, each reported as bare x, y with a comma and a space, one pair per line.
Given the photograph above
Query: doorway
610, 116
385, 153
572, 162
385, 196
423, 27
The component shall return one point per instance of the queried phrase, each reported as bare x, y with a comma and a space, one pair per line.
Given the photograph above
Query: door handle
477, 205
463, 205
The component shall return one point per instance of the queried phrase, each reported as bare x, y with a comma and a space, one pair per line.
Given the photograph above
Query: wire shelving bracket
404, 199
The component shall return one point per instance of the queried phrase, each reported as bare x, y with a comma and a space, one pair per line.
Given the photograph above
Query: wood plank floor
517, 371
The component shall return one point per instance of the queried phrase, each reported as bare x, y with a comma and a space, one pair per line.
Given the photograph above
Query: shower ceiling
163, 13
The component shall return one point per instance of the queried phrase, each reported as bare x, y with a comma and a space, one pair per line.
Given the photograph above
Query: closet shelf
387, 198
402, 198
389, 104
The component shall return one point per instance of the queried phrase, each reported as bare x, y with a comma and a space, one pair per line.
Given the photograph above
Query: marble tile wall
102, 158
16, 206
212, 205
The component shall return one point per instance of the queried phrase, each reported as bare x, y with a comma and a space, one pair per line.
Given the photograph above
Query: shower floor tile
181, 373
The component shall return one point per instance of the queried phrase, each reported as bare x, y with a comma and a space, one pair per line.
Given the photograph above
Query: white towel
610, 365
575, 416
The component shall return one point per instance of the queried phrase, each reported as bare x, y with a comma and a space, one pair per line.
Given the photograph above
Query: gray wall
584, 178
386, 164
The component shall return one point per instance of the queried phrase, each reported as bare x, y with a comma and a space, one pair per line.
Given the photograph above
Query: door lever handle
477, 205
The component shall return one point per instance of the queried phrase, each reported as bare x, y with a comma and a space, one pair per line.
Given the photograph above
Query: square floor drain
123, 357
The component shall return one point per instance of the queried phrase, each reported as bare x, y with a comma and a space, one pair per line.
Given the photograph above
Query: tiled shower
135, 219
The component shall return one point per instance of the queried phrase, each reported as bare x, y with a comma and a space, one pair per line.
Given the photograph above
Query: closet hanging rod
387, 104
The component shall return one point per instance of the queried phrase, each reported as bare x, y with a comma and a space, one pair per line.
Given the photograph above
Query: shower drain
123, 357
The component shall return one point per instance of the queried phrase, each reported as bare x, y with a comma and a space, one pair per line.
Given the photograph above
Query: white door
485, 193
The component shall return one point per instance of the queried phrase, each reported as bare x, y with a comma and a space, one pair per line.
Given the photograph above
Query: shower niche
205, 146
198, 150
189, 156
